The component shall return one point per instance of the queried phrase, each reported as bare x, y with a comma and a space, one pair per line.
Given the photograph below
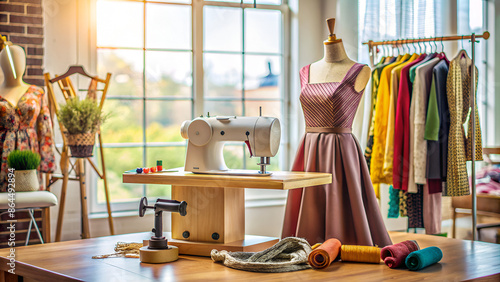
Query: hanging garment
431, 203
393, 98
415, 208
413, 69
17, 131
437, 127
346, 209
376, 73
380, 126
418, 107
459, 145
401, 156
432, 211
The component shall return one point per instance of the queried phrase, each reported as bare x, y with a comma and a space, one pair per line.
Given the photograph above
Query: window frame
253, 198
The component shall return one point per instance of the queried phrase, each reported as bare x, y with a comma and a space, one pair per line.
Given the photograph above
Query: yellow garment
391, 122
380, 127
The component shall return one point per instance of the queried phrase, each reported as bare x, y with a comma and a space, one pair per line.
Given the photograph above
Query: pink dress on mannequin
346, 209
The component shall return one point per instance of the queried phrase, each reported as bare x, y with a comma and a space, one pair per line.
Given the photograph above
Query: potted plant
81, 120
24, 164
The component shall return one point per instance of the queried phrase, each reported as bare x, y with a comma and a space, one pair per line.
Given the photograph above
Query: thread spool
325, 254
355, 253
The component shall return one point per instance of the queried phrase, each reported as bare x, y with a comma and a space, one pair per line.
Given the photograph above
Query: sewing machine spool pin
264, 161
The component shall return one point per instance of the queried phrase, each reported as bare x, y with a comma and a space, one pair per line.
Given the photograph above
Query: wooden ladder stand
78, 166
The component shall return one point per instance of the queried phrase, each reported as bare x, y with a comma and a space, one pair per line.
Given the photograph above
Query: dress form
12, 89
335, 63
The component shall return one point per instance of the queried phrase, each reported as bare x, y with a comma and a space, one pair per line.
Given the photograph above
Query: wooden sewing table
216, 207
71, 261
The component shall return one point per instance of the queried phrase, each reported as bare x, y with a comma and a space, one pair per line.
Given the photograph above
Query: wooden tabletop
71, 260
282, 180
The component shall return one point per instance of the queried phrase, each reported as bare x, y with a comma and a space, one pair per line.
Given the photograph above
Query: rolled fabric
423, 258
394, 256
325, 254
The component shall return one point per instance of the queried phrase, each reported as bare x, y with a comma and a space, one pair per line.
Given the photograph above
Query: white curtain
391, 19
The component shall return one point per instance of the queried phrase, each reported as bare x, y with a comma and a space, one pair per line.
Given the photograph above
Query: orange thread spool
325, 254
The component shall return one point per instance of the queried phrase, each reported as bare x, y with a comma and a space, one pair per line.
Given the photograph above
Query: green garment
432, 120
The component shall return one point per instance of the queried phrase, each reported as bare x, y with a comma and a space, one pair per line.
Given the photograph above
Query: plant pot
81, 145
26, 180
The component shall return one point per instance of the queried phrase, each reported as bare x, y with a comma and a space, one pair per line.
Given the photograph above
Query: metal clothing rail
372, 44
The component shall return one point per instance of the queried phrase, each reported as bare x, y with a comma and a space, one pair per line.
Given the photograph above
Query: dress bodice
26, 126
24, 114
330, 104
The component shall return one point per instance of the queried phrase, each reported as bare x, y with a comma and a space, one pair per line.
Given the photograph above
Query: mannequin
346, 209
12, 89
335, 64
25, 122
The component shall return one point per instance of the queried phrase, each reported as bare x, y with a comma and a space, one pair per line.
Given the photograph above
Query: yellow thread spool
360, 253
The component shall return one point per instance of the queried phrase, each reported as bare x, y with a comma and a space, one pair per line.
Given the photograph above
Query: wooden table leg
62, 198
83, 199
106, 191
9, 277
46, 214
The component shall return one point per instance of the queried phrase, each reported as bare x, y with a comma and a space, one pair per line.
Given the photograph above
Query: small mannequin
12, 89
335, 64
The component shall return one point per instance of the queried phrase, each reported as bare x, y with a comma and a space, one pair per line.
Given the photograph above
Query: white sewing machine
208, 135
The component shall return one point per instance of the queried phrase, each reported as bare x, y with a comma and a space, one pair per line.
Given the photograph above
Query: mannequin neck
11, 82
334, 53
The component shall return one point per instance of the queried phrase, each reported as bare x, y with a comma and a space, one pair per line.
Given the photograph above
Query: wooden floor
72, 260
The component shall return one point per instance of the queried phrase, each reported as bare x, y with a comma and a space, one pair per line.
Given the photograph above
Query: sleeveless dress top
26, 126
346, 209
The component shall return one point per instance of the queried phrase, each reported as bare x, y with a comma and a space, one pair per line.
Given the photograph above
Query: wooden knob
486, 35
331, 25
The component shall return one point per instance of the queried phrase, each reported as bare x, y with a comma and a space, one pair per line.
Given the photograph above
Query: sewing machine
207, 137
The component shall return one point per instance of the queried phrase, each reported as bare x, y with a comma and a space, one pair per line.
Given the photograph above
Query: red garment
394, 256
401, 160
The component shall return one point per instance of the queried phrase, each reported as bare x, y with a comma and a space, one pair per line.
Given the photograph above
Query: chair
29, 201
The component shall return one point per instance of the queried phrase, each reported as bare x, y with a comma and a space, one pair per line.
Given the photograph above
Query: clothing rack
372, 44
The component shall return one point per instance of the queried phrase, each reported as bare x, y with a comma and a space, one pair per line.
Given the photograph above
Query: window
173, 61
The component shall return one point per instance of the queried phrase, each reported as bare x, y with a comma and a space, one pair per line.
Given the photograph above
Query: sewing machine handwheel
143, 206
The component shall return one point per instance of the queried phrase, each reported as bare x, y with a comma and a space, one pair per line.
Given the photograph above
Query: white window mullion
198, 74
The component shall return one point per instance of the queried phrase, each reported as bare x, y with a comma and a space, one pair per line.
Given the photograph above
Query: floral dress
26, 126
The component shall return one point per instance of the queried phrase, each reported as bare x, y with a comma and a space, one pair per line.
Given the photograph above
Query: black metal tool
158, 241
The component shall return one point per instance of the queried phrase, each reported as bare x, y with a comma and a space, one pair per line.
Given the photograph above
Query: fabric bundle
394, 256
423, 258
325, 254
289, 254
